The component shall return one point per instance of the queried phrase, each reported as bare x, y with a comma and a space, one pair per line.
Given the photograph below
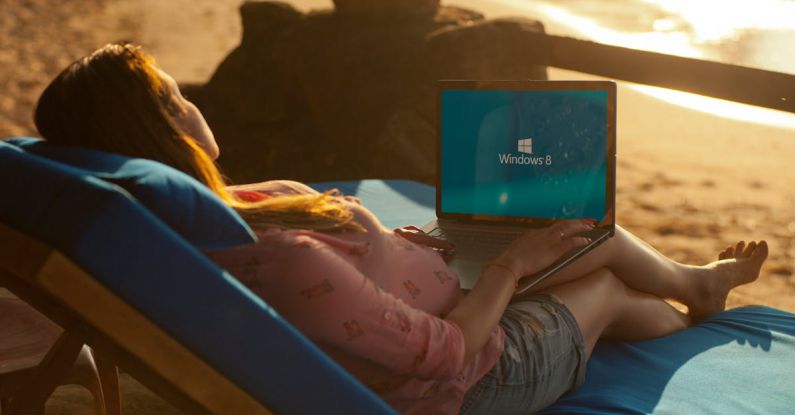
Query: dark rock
265, 20
335, 96
457, 16
488, 49
387, 7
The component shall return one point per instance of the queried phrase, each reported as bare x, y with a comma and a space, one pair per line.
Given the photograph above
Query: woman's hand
418, 236
536, 249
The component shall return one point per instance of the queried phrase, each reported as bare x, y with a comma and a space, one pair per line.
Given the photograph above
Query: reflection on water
629, 25
755, 33
721, 108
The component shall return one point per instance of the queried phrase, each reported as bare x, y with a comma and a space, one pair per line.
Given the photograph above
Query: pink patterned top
373, 301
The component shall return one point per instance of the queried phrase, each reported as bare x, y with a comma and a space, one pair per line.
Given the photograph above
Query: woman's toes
761, 251
738, 250
729, 252
749, 250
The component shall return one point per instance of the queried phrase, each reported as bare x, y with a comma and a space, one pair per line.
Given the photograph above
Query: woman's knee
595, 301
604, 280
600, 288
612, 291
595, 298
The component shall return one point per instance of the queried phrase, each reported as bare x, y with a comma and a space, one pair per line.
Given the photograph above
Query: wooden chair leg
100, 407
48, 375
84, 373
109, 379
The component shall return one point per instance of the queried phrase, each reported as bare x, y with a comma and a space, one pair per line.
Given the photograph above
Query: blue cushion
187, 206
737, 362
394, 202
741, 361
131, 252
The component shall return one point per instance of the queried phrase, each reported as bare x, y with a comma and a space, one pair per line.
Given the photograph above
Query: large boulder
426, 7
336, 95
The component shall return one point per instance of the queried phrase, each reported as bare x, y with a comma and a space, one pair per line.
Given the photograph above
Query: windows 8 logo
525, 146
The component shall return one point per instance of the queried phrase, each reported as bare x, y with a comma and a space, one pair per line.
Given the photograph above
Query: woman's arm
478, 313
317, 288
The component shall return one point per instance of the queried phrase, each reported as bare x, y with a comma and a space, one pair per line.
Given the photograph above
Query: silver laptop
516, 155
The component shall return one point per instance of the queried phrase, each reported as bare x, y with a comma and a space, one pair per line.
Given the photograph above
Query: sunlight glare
715, 20
675, 43
721, 108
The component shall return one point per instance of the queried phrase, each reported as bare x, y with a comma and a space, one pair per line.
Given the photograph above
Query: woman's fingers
418, 236
426, 240
409, 228
571, 243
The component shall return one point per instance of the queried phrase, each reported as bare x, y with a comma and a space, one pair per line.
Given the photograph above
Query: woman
383, 303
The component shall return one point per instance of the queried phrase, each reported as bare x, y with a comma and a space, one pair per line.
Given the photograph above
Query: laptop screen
525, 153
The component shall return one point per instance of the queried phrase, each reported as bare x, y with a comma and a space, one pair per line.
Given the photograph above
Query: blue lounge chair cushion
126, 248
186, 205
738, 362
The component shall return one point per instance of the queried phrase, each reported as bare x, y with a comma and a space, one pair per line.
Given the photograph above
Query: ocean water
753, 33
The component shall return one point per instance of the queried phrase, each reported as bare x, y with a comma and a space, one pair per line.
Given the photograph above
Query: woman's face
191, 121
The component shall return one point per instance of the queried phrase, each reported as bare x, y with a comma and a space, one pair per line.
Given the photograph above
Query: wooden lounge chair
88, 255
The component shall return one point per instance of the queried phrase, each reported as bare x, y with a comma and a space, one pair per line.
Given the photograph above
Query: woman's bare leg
604, 306
702, 288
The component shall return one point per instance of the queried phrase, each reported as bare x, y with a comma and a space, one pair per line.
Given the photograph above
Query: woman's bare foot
736, 265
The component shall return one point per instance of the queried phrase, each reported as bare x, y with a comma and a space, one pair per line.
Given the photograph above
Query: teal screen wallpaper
540, 154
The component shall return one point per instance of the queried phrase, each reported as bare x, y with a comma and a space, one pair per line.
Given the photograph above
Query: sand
688, 183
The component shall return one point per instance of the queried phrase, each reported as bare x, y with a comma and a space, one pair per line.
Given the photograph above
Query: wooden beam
143, 373
31, 295
746, 85
102, 309
118, 331
20, 255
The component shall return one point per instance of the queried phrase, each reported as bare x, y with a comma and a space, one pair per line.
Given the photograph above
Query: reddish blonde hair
114, 100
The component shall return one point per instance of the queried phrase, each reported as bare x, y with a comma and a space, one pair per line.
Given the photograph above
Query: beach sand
688, 183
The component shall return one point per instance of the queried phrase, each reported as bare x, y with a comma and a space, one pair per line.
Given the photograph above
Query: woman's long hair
114, 100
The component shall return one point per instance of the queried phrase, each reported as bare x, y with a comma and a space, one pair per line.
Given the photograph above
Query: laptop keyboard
484, 245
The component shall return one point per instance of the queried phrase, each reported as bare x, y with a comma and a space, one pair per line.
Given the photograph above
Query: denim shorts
544, 357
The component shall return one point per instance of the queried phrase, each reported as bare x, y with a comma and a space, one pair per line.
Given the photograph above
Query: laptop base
473, 253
